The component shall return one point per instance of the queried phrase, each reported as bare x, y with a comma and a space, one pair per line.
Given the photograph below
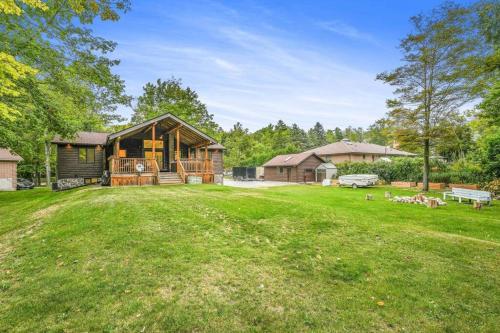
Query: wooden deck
145, 171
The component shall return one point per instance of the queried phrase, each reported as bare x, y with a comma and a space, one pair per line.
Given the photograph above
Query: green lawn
211, 258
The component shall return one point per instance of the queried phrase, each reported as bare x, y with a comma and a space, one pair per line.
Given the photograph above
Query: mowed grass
211, 258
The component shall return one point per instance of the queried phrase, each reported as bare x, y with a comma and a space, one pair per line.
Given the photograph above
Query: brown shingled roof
350, 147
216, 146
290, 159
8, 155
83, 138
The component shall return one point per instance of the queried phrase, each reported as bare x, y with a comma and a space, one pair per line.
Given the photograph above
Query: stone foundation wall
68, 183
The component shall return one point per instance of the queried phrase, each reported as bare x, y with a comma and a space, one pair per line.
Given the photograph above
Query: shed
326, 170
295, 168
8, 169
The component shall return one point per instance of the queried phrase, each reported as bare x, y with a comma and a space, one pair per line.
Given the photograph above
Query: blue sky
260, 61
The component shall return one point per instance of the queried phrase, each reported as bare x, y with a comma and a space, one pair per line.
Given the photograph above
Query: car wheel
354, 186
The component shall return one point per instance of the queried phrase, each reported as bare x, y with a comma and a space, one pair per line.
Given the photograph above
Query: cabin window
149, 144
364, 156
122, 153
280, 170
86, 155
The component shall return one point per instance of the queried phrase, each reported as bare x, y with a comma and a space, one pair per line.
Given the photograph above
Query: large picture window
86, 155
149, 144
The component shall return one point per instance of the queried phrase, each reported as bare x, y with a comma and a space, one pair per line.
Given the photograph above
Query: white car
356, 181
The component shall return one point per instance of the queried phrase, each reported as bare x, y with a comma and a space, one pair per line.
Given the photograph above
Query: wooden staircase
169, 178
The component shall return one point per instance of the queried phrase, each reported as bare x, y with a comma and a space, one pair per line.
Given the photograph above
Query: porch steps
169, 178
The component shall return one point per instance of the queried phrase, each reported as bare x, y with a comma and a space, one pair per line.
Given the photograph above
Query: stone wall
68, 183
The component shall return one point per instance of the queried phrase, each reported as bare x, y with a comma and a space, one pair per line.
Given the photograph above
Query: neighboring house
293, 167
8, 169
161, 150
348, 151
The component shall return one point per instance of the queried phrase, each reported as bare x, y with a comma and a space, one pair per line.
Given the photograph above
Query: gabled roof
350, 147
188, 132
163, 117
83, 138
290, 159
8, 155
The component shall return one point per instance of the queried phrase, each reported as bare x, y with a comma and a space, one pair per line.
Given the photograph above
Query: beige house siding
368, 158
8, 175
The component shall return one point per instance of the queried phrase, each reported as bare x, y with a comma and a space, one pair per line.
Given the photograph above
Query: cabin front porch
163, 152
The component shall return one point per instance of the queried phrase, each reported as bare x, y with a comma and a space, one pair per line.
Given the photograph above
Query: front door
288, 174
159, 157
148, 151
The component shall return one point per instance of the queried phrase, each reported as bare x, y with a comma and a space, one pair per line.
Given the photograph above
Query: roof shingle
83, 138
8, 155
349, 147
290, 159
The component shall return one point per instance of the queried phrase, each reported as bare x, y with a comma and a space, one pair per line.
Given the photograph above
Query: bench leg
460, 199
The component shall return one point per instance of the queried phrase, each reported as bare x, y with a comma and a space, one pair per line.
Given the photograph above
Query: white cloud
344, 29
255, 76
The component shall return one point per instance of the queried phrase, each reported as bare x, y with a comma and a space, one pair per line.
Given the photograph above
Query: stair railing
156, 171
181, 171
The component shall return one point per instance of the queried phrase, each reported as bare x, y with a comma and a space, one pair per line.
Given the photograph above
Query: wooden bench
462, 193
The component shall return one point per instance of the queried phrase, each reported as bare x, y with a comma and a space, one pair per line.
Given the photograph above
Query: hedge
408, 170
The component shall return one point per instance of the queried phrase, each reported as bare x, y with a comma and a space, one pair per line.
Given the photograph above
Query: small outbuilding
326, 170
295, 168
8, 169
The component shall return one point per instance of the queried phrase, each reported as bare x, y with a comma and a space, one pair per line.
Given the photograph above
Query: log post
206, 158
116, 148
153, 139
178, 144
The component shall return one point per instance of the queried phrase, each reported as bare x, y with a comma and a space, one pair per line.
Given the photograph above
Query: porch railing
129, 165
195, 166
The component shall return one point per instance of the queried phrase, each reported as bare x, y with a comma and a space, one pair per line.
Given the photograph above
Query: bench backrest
473, 194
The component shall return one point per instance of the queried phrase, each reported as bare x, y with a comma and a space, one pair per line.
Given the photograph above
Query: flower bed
466, 186
433, 186
403, 184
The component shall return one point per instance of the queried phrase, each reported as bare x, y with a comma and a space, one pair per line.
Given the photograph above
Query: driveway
254, 183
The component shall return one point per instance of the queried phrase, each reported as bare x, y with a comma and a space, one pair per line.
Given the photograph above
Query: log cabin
162, 150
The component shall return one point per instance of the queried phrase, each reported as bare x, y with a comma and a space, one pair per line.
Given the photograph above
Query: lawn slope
211, 258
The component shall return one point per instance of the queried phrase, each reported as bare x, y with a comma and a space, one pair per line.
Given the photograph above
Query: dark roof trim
159, 118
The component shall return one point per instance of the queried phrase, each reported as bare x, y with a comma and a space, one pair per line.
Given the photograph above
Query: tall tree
73, 84
317, 135
170, 96
435, 79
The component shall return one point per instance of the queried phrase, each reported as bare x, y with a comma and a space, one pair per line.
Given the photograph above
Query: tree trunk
425, 181
47, 162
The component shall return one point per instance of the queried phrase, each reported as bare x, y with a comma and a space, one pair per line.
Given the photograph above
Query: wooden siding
312, 162
272, 173
69, 166
296, 173
126, 180
8, 175
218, 160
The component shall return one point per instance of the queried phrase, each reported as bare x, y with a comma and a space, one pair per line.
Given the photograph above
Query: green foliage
411, 170
170, 96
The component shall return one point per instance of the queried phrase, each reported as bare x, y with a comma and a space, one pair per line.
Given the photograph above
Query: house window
86, 155
122, 153
149, 144
280, 170
364, 156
